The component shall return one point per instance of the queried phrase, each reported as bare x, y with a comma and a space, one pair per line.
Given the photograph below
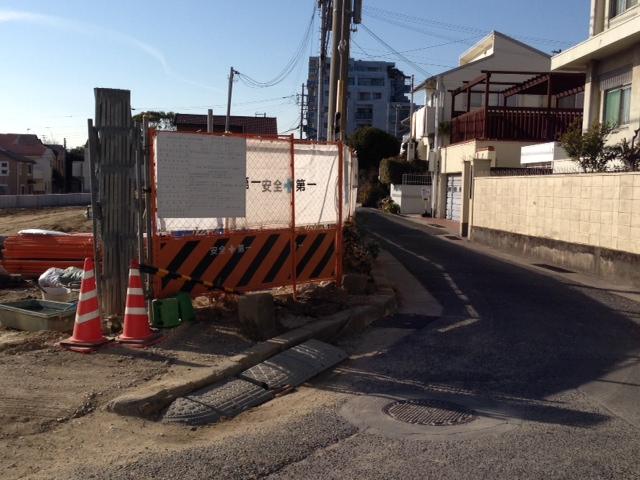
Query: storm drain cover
434, 413
226, 399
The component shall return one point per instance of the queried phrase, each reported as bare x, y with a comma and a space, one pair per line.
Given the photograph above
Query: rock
256, 313
355, 283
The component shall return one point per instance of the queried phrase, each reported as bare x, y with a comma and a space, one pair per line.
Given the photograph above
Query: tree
589, 148
372, 145
392, 169
629, 153
159, 120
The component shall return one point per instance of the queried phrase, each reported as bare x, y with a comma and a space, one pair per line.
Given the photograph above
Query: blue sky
175, 55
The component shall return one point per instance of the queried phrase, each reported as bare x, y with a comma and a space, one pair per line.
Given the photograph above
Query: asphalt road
539, 354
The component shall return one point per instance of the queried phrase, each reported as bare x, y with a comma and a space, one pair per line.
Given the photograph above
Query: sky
175, 55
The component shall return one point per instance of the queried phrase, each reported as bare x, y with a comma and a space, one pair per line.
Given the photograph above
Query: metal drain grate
435, 413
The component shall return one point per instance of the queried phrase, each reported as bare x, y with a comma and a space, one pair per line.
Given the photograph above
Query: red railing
514, 123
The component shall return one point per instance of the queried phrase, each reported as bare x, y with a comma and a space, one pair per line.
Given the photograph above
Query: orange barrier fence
32, 255
246, 261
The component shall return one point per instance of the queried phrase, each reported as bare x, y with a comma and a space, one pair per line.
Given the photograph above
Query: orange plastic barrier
32, 255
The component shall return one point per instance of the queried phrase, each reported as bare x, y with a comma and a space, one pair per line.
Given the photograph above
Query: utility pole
227, 122
301, 111
322, 60
411, 146
336, 37
344, 67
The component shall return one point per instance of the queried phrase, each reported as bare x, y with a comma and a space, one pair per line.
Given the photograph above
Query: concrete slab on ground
226, 399
295, 366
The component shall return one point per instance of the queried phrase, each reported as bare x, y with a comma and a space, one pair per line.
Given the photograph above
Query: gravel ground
531, 342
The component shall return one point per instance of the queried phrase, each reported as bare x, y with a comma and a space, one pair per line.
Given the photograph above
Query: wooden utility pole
336, 37
227, 122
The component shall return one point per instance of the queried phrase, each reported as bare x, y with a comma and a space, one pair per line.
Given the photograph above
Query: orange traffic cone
87, 330
136, 330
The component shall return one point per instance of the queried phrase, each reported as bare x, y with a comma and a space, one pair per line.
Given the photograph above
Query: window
371, 82
477, 99
4, 169
377, 95
4, 189
617, 103
620, 6
373, 69
364, 95
364, 112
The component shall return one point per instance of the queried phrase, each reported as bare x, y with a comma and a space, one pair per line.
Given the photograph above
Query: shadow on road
535, 336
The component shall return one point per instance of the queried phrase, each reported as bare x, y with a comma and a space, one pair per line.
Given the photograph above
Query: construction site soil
61, 219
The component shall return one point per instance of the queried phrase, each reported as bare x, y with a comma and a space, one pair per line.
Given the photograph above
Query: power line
370, 55
388, 15
200, 107
291, 64
398, 54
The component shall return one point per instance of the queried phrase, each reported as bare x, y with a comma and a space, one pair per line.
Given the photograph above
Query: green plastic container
165, 312
185, 307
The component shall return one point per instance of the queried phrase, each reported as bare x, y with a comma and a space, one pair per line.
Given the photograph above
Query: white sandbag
51, 278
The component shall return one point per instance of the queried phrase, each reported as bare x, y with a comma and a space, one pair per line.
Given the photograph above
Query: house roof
57, 149
22, 144
494, 34
8, 154
250, 125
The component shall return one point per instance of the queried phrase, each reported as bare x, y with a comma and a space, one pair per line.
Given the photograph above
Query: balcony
517, 123
514, 123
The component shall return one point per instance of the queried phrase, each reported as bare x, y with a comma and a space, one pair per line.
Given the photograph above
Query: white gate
454, 197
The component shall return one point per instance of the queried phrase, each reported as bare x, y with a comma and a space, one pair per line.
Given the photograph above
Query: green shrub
389, 206
370, 190
392, 169
372, 145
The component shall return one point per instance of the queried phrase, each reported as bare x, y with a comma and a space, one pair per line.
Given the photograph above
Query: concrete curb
149, 400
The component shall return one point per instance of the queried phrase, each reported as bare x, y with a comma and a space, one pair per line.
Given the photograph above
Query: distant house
186, 122
16, 173
30, 146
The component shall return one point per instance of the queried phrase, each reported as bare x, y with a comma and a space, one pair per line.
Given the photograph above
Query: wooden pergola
516, 123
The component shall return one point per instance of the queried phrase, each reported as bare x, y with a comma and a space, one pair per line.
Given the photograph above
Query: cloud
89, 29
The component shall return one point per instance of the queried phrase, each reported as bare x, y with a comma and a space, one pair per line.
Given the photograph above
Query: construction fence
247, 213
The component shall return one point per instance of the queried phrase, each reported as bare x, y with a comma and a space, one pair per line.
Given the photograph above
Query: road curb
149, 400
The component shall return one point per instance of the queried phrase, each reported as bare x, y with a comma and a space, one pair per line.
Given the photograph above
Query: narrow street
548, 365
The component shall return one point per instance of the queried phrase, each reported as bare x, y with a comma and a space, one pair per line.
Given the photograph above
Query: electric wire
397, 53
291, 64
389, 16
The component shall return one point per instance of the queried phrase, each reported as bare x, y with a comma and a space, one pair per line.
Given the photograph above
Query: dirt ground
62, 219
46, 391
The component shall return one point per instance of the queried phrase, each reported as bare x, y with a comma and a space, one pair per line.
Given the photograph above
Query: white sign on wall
200, 176
262, 168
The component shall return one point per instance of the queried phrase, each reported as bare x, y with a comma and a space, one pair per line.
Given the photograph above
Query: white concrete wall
409, 197
601, 210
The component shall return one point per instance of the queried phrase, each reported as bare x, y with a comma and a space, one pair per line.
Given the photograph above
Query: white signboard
262, 167
200, 176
